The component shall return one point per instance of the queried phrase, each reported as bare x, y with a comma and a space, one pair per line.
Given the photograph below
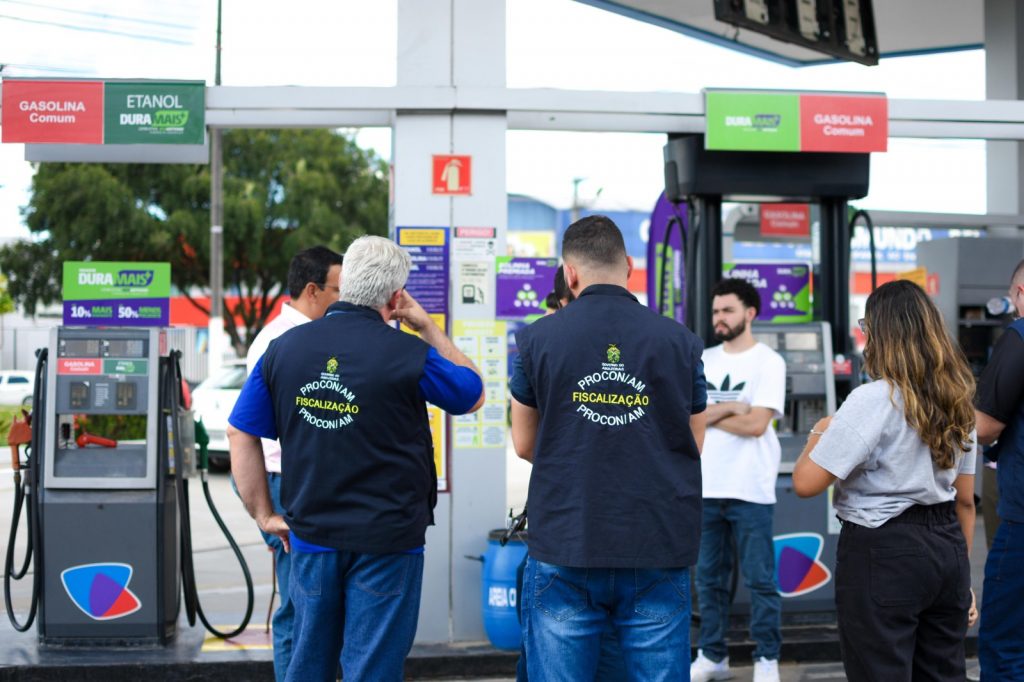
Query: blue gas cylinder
500, 596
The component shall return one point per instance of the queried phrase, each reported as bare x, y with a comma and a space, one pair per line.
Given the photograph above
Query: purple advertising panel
128, 312
785, 289
428, 280
522, 284
667, 258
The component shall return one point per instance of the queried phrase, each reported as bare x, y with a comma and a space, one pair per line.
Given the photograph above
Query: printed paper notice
484, 342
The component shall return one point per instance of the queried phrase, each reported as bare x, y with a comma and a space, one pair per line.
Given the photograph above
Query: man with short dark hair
1000, 416
608, 402
314, 282
347, 396
746, 391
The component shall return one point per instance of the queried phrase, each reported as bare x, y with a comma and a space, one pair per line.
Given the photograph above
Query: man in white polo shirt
314, 283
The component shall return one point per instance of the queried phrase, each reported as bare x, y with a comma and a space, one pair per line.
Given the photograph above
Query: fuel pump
105, 493
805, 530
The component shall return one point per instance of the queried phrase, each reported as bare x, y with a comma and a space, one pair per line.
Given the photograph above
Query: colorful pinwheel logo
101, 590
798, 564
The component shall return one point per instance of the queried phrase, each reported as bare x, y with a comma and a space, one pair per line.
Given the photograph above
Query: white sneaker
703, 669
766, 670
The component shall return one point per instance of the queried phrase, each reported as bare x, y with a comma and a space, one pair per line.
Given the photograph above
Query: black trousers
902, 595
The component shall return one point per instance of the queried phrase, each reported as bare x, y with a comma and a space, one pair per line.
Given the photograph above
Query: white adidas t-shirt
743, 467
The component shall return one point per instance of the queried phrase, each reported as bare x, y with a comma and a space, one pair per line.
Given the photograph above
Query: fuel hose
193, 607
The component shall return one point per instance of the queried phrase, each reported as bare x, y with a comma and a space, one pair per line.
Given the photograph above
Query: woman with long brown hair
901, 453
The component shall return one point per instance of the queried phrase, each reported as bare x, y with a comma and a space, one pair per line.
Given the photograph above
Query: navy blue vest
357, 464
616, 471
1009, 453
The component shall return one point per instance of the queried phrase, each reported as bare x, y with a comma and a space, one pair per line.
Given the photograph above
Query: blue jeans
567, 611
368, 601
284, 617
1001, 637
751, 526
609, 667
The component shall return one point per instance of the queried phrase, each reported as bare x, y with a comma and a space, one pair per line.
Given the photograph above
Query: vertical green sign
154, 112
752, 121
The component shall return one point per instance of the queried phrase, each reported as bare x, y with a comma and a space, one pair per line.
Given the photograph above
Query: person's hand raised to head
410, 313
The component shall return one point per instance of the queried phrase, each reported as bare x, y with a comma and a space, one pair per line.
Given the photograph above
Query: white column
454, 43
1004, 79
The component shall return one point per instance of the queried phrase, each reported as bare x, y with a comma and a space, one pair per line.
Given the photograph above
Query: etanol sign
154, 113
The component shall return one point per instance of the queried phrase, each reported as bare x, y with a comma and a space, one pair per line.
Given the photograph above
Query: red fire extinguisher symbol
452, 174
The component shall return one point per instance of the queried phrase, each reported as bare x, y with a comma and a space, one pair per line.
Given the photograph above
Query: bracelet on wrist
812, 432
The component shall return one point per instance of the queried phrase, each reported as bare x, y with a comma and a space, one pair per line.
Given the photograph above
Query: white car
212, 401
16, 387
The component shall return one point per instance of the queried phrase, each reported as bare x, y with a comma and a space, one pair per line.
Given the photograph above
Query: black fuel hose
861, 213
193, 606
27, 489
20, 490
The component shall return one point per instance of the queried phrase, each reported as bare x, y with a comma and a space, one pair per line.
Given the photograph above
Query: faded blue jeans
567, 612
750, 524
370, 602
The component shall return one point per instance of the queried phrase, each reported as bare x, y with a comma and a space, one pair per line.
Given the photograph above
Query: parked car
16, 387
212, 401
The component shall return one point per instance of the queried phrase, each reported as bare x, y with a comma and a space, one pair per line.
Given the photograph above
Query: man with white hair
346, 397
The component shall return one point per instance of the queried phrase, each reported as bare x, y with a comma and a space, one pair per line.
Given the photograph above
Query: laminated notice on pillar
522, 284
428, 280
474, 289
475, 243
439, 438
484, 342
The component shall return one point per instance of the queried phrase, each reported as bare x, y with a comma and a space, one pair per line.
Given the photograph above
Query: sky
353, 43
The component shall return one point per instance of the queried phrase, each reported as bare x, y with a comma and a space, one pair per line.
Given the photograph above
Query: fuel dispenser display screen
79, 348
125, 348
126, 396
102, 392
80, 395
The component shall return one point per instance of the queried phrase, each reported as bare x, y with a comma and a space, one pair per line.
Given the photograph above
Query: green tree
284, 190
6, 302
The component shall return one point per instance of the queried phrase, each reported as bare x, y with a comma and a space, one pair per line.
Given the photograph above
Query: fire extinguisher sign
452, 174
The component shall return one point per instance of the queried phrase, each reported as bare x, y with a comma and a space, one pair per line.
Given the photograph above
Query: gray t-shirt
882, 464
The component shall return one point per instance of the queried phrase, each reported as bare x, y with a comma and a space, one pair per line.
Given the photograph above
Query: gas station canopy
903, 27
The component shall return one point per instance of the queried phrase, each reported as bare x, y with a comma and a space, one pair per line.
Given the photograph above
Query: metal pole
574, 214
216, 324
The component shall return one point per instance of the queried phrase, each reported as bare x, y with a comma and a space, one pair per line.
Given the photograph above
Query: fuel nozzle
20, 434
203, 442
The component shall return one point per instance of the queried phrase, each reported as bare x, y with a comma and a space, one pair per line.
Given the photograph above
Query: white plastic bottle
1000, 305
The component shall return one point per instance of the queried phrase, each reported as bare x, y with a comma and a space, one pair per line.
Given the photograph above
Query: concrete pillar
1004, 79
454, 43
